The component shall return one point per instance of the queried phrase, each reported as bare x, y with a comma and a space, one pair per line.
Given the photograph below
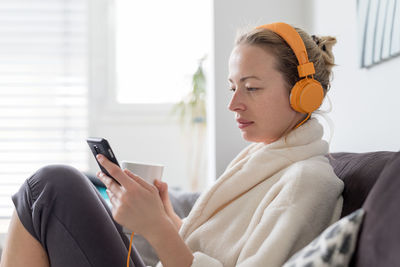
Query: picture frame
378, 31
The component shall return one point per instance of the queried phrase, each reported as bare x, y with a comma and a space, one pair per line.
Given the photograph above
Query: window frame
102, 73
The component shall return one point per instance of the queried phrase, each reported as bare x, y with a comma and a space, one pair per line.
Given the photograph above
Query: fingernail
99, 156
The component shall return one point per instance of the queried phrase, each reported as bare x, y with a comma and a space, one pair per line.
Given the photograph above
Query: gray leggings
63, 210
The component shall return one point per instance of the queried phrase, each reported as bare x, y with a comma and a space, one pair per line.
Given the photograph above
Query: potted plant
191, 111
192, 108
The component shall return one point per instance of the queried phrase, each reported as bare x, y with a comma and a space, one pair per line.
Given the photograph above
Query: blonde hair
319, 49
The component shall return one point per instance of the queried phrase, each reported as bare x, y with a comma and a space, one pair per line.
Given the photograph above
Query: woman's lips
243, 123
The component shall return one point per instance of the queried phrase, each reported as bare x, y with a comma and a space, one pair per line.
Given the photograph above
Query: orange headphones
307, 94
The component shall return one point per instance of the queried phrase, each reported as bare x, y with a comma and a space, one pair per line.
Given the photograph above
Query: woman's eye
251, 89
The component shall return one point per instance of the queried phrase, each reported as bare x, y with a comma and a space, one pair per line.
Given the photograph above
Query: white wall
365, 101
228, 16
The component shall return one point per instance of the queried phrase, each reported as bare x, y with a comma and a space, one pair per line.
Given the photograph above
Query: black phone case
100, 145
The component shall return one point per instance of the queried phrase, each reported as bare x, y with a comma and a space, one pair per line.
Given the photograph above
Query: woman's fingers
162, 188
111, 185
140, 180
113, 169
163, 191
112, 197
115, 202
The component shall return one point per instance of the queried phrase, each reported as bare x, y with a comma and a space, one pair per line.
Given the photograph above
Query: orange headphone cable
308, 116
130, 248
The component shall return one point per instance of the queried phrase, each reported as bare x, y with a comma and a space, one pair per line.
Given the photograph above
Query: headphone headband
307, 94
293, 39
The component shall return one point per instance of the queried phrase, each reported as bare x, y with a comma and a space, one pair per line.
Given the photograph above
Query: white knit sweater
271, 201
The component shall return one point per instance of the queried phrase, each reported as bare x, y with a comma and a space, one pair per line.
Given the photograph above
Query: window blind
43, 89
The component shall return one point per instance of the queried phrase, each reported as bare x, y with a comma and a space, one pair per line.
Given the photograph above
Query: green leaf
192, 108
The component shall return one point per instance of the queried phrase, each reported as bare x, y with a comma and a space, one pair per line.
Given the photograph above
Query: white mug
148, 172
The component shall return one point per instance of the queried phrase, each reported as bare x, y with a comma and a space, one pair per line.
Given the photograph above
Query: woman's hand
163, 191
135, 203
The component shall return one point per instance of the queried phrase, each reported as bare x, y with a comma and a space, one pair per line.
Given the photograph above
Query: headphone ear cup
306, 95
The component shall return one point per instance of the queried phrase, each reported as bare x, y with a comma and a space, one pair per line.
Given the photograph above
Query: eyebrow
244, 78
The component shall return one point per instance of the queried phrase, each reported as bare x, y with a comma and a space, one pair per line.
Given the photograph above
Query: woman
276, 196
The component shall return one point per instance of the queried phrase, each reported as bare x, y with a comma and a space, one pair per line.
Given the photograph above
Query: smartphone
100, 145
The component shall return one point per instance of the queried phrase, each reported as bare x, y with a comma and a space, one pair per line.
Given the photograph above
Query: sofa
372, 182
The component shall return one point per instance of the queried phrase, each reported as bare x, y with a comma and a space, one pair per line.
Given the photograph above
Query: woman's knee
58, 177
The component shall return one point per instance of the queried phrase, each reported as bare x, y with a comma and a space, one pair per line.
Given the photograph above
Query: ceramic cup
149, 172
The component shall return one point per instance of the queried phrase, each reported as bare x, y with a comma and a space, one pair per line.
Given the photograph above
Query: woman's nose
236, 102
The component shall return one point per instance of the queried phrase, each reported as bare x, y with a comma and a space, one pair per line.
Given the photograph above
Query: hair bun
325, 43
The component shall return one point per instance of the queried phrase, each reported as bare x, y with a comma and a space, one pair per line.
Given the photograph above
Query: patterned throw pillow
333, 247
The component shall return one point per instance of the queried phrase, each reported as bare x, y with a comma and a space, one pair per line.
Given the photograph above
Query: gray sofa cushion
182, 201
359, 172
379, 240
